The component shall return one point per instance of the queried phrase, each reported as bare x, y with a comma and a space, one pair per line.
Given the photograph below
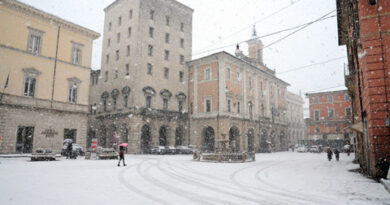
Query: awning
358, 127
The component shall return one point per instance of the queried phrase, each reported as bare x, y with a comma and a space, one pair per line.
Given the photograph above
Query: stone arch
251, 140
234, 139
208, 139
164, 136
146, 138
179, 136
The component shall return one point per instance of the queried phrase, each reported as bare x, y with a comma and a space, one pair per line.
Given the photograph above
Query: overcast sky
218, 23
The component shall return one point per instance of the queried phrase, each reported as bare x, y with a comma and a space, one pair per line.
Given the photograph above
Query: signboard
49, 133
94, 144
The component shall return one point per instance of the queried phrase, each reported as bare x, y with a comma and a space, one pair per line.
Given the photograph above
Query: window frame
33, 46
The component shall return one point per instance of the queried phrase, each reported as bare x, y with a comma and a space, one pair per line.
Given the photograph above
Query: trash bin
87, 155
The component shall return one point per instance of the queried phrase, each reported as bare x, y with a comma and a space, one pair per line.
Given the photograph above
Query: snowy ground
277, 178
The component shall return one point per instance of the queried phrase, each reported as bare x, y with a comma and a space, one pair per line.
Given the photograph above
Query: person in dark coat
337, 154
330, 153
69, 150
121, 156
382, 167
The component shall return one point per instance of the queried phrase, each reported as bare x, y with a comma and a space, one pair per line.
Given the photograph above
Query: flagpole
5, 86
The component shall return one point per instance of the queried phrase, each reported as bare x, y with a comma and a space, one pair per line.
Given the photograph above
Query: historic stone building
44, 77
296, 124
330, 115
238, 101
140, 94
363, 27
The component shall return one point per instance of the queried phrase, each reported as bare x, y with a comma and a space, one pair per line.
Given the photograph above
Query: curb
14, 155
386, 184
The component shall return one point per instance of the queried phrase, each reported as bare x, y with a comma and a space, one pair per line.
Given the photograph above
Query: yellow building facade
45, 65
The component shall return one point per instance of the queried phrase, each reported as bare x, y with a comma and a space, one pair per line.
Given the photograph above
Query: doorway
25, 139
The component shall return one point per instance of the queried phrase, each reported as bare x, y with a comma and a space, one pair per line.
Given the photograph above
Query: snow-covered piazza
276, 178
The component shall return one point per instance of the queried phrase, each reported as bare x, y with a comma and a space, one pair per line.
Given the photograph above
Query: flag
6, 82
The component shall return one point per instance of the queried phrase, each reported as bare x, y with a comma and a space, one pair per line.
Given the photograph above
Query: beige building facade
140, 94
296, 123
237, 101
44, 77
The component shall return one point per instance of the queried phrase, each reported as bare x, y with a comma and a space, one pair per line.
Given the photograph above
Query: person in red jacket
121, 156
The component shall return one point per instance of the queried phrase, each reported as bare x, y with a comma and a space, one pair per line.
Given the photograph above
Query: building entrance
25, 139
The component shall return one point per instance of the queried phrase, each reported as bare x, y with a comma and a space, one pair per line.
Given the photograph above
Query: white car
302, 149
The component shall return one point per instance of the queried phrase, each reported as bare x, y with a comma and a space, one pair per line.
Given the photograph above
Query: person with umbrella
122, 154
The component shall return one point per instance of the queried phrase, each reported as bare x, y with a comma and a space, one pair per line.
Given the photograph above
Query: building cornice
24, 8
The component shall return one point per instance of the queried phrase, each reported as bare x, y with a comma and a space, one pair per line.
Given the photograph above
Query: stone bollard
243, 157
219, 157
198, 155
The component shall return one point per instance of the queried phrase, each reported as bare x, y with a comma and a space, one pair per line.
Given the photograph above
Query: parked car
170, 150
78, 149
158, 150
302, 149
183, 150
314, 149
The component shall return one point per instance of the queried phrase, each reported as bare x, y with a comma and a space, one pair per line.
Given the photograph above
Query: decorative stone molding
126, 91
105, 95
181, 96
114, 93
149, 91
74, 80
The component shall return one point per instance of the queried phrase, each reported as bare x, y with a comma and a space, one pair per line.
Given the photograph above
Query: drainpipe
55, 68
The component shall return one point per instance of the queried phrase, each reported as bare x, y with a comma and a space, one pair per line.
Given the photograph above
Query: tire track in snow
296, 195
135, 189
213, 188
179, 192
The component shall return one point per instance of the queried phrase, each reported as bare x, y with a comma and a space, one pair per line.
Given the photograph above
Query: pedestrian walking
337, 154
330, 153
121, 156
69, 150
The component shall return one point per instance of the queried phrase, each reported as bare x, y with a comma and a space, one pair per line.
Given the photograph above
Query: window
250, 82
228, 73
129, 32
167, 20
181, 43
105, 105
127, 69
229, 102
348, 112
238, 76
107, 58
182, 26
165, 104
208, 74
106, 76
126, 100
330, 99
238, 107
151, 32
261, 88
128, 50
130, 13
34, 41
94, 109
108, 42
181, 76
192, 108
116, 73
118, 37
29, 86
180, 104
73, 93
117, 54
208, 105
150, 68
150, 50
109, 26
151, 14
315, 100
338, 129
76, 53
166, 73
166, 37
250, 110
316, 115
148, 101
119, 20
346, 97
166, 55
181, 60
331, 113
318, 130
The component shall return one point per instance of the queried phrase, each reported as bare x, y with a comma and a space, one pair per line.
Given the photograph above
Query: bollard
219, 157
243, 157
